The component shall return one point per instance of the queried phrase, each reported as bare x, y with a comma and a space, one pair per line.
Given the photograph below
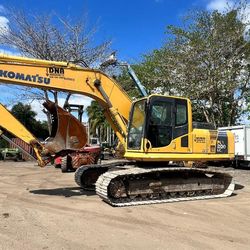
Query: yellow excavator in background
61, 145
12, 125
154, 130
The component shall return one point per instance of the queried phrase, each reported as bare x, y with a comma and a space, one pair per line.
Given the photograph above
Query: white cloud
38, 107
10, 95
220, 5
244, 14
225, 5
74, 99
77, 99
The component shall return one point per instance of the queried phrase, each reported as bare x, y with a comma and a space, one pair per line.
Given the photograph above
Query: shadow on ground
66, 192
238, 186
75, 191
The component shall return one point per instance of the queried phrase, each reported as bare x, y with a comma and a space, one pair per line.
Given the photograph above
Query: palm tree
97, 121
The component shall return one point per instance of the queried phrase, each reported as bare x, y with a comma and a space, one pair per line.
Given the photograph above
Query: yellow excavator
12, 125
154, 130
60, 146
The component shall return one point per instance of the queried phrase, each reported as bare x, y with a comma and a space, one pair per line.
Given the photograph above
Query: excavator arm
10, 123
71, 78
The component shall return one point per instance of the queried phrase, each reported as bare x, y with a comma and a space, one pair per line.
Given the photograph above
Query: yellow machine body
202, 148
194, 144
190, 145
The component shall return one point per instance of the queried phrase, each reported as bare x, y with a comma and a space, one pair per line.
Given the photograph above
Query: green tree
41, 129
3, 144
25, 114
207, 60
127, 83
97, 121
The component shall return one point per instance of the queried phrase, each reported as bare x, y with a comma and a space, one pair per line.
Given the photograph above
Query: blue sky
134, 26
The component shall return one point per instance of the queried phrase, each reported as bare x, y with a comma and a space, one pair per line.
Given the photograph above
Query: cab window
181, 114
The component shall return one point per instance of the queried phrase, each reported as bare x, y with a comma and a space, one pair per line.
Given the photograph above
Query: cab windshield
136, 126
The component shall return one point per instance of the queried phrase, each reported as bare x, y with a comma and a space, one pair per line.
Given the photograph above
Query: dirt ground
44, 209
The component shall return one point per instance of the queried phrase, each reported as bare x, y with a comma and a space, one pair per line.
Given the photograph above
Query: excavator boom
71, 78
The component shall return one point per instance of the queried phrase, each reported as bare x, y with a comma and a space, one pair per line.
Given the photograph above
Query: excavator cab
157, 120
160, 130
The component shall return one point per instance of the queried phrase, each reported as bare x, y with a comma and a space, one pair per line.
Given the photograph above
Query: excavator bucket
67, 132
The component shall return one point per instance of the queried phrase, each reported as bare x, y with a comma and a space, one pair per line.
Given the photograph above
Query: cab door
166, 125
160, 122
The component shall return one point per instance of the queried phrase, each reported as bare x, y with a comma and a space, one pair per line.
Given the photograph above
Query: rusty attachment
67, 132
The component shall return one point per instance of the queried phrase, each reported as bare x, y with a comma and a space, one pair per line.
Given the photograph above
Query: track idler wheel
117, 189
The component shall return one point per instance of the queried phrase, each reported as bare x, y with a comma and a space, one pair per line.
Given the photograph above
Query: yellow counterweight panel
231, 143
206, 141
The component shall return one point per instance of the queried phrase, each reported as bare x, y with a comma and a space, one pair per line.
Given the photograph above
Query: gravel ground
44, 209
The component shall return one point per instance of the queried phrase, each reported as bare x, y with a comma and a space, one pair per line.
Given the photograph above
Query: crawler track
140, 186
87, 175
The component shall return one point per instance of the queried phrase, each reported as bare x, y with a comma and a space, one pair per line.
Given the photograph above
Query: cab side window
181, 114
